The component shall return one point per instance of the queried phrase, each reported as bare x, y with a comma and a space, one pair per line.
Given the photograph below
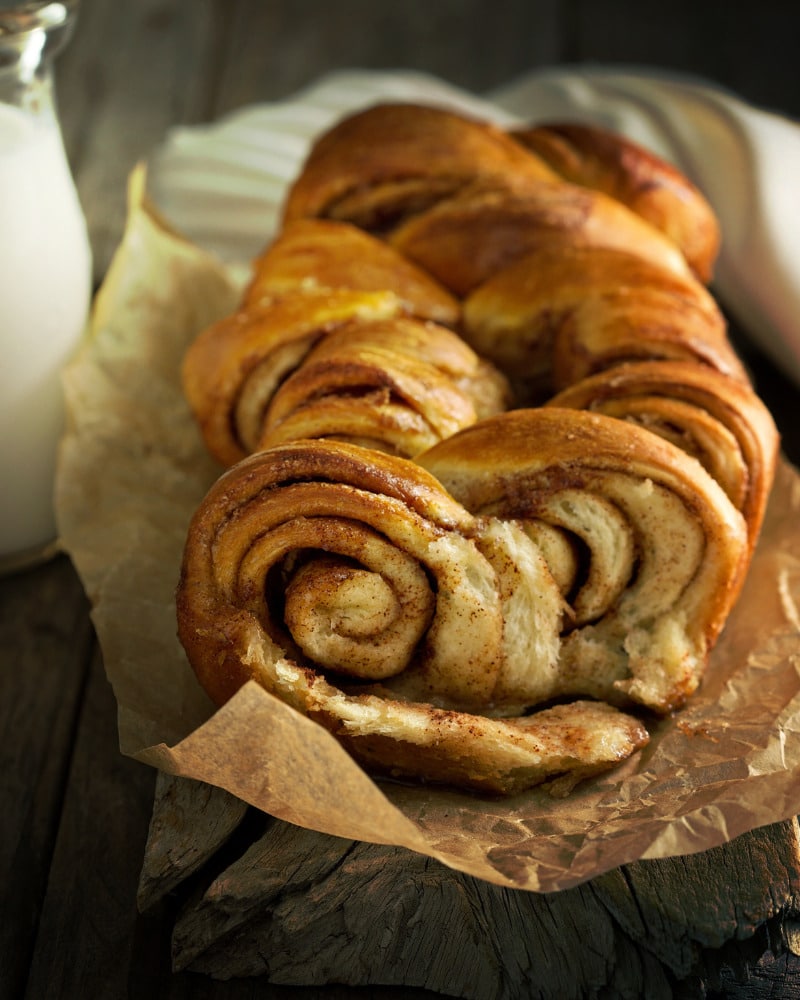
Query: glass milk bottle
45, 276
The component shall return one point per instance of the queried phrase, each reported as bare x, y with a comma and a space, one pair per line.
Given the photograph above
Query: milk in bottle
45, 277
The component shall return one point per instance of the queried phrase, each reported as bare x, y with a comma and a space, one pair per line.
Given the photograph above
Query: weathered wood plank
301, 908
274, 49
85, 932
45, 644
772, 979
190, 822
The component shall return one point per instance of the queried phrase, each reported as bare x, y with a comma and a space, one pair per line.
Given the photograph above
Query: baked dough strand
717, 419
233, 368
654, 189
398, 386
357, 349
322, 254
564, 311
665, 549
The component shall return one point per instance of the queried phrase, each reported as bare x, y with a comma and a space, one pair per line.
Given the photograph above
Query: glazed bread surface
494, 471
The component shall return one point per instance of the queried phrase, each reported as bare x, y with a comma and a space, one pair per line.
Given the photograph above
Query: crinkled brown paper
133, 469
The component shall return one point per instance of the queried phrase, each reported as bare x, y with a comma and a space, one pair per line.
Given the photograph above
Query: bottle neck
31, 34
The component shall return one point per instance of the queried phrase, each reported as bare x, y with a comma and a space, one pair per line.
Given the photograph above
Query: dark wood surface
75, 812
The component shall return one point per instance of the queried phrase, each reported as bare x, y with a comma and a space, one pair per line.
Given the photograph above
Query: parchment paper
132, 471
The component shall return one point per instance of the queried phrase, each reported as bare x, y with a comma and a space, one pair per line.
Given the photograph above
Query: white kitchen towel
223, 184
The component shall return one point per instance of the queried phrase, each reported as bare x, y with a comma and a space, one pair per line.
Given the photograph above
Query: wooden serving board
259, 897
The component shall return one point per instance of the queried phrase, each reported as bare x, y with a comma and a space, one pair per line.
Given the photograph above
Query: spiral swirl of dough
351, 585
564, 312
662, 550
717, 419
359, 352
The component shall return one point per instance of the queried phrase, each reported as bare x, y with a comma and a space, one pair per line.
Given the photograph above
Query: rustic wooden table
75, 812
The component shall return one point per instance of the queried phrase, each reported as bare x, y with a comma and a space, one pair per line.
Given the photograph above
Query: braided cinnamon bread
495, 471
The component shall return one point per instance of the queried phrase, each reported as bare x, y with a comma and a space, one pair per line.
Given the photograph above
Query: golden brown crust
314, 280
565, 311
646, 183
719, 420
399, 385
233, 368
321, 254
377, 165
469, 238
